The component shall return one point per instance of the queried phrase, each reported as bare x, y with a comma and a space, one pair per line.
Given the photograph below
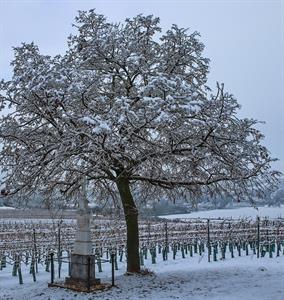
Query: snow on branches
121, 103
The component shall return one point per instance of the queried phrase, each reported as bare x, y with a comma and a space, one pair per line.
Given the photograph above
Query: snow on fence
32, 242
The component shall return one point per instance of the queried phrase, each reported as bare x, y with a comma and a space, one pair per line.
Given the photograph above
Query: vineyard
32, 243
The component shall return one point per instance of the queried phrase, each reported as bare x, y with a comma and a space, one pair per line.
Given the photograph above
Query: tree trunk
131, 218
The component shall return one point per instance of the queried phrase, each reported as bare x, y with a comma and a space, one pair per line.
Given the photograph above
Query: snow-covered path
241, 278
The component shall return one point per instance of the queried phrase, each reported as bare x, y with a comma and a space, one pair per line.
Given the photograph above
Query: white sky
244, 40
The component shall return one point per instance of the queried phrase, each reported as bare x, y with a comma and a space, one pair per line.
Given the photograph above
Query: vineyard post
15, 266
208, 239
35, 250
115, 261
278, 248
277, 240
166, 240
258, 236
89, 273
69, 262
149, 232
112, 268
99, 261
121, 255
20, 270
141, 258
52, 267
59, 250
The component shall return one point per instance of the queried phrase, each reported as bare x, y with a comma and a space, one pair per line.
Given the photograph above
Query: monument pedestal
82, 271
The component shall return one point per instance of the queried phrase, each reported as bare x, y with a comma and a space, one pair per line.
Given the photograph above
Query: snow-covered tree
125, 109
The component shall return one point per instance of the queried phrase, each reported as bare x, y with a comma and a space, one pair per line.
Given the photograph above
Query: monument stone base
82, 271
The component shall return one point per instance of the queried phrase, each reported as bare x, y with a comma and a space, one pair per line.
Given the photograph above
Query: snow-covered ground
237, 213
6, 207
245, 278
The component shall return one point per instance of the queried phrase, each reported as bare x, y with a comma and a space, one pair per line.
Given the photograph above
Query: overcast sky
244, 40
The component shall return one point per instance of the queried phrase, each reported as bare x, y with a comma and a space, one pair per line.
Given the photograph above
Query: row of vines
32, 243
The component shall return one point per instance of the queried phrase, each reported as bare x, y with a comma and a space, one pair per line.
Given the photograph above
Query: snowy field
246, 278
6, 207
237, 213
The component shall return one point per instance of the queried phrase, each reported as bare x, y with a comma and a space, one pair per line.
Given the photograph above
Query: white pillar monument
83, 242
82, 272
